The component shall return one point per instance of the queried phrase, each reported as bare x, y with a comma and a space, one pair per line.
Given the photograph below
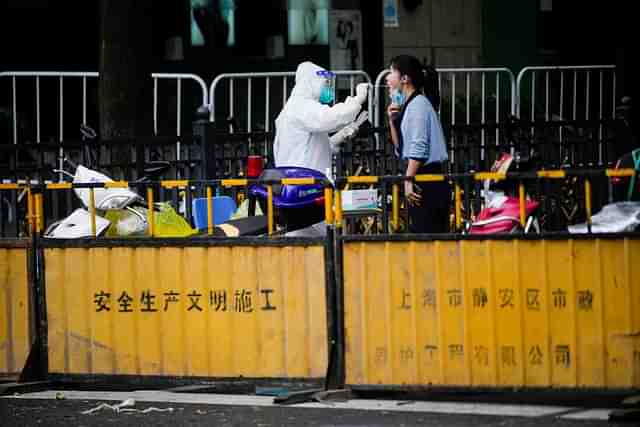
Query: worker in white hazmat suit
303, 125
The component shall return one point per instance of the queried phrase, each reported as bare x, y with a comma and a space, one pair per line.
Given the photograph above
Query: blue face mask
326, 96
397, 97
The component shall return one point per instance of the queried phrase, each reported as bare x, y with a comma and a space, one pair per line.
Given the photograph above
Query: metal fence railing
582, 145
568, 93
38, 204
467, 95
118, 158
564, 198
565, 118
49, 106
252, 101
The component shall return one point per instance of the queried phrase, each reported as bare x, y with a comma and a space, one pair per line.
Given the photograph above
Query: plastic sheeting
613, 218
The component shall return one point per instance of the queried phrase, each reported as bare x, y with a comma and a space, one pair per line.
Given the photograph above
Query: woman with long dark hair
416, 133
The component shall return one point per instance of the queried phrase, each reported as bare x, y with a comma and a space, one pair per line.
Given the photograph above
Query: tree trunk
125, 84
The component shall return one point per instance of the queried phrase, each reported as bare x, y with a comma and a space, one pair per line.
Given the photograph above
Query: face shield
327, 86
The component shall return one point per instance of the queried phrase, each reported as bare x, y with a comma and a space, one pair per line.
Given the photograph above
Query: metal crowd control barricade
467, 96
568, 94
72, 96
451, 311
203, 308
273, 87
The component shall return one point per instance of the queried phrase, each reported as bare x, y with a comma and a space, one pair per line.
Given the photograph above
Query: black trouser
432, 216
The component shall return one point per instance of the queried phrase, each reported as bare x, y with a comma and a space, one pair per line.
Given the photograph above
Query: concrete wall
447, 33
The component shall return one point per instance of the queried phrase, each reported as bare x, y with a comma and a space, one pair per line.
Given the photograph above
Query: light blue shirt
422, 136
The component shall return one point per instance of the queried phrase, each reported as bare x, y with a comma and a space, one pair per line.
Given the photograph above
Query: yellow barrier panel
496, 176
30, 212
116, 184
209, 212
92, 211
15, 339
458, 206
298, 181
328, 205
5, 186
234, 182
270, 209
39, 209
338, 218
587, 199
59, 186
429, 178
493, 313
181, 183
396, 207
552, 174
219, 311
620, 172
522, 204
150, 220
362, 179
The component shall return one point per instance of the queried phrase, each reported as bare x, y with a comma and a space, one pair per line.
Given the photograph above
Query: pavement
58, 407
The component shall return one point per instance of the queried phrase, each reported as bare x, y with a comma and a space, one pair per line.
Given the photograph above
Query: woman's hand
413, 198
392, 111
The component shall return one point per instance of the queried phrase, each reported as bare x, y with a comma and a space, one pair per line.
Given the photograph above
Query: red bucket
254, 166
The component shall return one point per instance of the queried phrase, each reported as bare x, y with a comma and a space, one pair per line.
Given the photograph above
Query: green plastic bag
132, 222
168, 223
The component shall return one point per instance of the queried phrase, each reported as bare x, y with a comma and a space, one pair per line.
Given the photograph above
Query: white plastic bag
75, 226
613, 218
105, 198
315, 230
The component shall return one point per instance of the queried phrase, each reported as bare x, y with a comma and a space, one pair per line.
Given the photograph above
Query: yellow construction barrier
249, 310
491, 313
15, 327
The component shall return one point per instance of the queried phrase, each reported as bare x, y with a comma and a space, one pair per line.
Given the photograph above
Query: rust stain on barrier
630, 335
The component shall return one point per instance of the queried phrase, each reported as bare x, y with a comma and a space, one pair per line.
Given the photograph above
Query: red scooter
501, 213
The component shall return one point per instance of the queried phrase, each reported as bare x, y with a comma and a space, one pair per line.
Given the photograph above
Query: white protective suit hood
303, 125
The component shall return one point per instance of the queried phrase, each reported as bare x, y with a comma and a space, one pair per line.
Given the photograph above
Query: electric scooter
501, 213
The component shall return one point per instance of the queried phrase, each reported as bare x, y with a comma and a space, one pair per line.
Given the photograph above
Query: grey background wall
447, 33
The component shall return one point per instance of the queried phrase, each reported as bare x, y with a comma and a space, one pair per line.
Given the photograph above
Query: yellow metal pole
270, 209
150, 210
587, 198
328, 205
30, 211
209, 212
458, 207
92, 211
338, 208
39, 219
523, 213
395, 209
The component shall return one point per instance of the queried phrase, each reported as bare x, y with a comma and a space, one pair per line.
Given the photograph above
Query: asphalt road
43, 409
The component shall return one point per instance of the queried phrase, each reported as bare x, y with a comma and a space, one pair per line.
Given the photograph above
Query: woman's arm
392, 112
409, 189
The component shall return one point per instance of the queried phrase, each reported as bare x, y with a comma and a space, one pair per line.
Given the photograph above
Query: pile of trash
120, 212
618, 217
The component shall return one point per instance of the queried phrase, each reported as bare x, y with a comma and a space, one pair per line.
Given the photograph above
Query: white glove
347, 132
362, 90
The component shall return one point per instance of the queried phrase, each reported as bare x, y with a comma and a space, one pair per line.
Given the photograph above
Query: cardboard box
359, 199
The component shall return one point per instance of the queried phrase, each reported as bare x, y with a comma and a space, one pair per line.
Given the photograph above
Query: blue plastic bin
223, 208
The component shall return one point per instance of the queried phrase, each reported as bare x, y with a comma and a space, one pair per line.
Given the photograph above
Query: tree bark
126, 60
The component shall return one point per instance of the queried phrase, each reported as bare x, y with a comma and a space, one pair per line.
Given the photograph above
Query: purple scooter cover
291, 196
